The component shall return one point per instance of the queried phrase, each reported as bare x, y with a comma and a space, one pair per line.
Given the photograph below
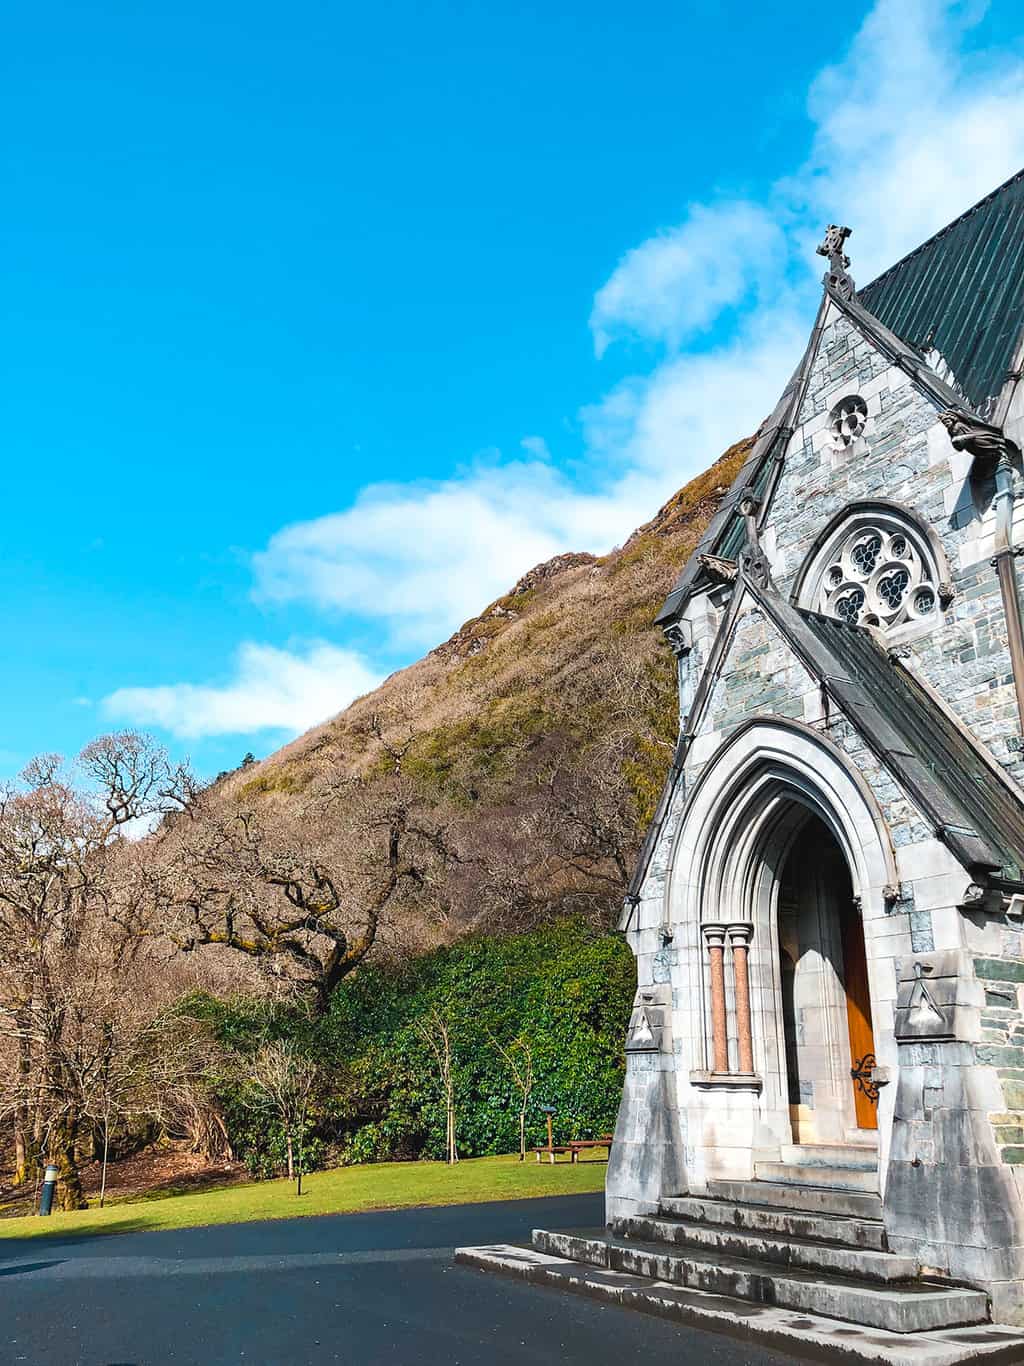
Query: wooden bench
578, 1145
564, 1148
574, 1147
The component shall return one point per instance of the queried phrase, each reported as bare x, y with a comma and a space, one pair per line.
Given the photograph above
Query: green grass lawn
387, 1185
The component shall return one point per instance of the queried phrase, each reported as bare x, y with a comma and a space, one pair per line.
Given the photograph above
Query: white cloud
272, 690
678, 282
537, 447
910, 130
425, 557
671, 424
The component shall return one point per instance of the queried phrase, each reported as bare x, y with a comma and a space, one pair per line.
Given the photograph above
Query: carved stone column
715, 936
739, 937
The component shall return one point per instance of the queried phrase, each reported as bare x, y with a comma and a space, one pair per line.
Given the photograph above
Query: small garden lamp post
549, 1111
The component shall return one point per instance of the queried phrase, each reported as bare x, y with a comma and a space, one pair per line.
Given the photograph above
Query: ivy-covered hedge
564, 990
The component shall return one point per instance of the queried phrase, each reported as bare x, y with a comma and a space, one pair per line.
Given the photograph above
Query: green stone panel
1000, 969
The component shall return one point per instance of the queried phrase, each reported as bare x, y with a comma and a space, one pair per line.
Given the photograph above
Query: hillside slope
540, 732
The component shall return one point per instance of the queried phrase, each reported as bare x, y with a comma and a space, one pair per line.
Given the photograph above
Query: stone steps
910, 1307
832, 1178
813, 1199
768, 1326
779, 1250
852, 1156
788, 1223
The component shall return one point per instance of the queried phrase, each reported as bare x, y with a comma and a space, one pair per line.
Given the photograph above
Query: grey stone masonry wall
1002, 1045
904, 456
761, 676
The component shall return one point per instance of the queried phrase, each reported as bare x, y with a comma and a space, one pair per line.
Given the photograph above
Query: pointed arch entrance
781, 861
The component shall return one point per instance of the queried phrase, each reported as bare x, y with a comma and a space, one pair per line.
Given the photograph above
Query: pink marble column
739, 937
715, 936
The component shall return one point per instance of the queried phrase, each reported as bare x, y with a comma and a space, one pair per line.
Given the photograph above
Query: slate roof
962, 292
970, 805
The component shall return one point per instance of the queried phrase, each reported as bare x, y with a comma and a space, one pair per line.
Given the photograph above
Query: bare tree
286, 1077
434, 1028
60, 839
303, 893
518, 1058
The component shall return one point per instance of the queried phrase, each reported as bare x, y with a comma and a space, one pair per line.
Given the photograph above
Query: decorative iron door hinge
862, 1074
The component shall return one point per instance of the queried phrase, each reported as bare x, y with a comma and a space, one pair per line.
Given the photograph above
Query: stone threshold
793, 1331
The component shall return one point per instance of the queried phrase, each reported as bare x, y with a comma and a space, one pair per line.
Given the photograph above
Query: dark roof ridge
921, 246
900, 352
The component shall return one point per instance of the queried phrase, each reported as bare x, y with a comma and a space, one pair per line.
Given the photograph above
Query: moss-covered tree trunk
69, 1180
26, 1148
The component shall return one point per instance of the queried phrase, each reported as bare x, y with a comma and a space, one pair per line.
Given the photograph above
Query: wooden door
858, 1017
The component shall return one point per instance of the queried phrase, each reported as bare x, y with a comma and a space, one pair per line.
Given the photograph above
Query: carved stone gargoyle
987, 445
753, 562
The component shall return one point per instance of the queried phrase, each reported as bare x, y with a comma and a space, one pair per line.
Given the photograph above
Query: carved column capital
714, 934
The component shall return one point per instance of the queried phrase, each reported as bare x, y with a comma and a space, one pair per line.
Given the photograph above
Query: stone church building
824, 1100
827, 916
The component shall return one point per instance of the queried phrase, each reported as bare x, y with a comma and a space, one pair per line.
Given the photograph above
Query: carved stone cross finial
837, 276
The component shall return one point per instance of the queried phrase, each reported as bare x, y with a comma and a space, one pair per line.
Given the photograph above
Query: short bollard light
49, 1186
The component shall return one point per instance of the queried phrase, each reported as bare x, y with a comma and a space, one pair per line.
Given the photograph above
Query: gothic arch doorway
826, 1003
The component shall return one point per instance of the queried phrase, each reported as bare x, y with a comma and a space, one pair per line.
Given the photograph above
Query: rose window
848, 419
877, 576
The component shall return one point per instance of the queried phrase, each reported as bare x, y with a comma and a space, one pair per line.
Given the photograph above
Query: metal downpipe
1006, 570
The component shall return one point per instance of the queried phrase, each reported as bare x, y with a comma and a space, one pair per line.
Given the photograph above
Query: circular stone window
876, 576
848, 419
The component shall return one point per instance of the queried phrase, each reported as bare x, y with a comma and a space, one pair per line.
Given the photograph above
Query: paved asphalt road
356, 1288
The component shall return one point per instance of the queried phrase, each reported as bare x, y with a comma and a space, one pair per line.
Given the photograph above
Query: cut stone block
858, 1262
853, 1157
810, 1199
832, 1178
789, 1223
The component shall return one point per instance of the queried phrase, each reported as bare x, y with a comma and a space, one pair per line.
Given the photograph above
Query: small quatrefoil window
847, 420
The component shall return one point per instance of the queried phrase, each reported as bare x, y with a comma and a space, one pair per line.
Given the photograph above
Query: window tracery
876, 569
847, 420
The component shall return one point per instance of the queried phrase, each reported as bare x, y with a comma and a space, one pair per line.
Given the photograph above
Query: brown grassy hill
540, 731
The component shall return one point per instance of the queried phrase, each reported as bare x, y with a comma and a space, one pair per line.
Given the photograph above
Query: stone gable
905, 457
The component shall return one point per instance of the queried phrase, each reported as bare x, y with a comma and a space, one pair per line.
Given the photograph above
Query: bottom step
911, 1306
799, 1334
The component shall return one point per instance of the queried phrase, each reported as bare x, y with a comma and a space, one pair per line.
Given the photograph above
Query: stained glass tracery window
877, 574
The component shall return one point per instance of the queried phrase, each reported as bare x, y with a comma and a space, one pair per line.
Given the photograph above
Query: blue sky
325, 322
